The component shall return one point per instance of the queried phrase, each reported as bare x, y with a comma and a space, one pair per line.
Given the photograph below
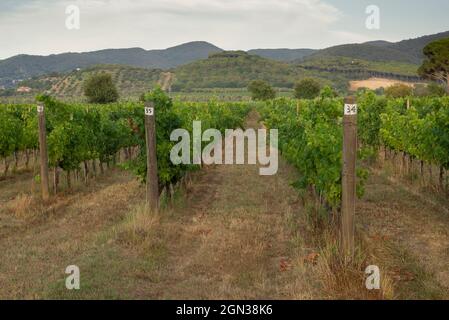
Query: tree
260, 90
398, 90
307, 89
436, 65
100, 88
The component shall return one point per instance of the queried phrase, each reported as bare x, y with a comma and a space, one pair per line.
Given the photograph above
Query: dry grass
138, 228
406, 228
345, 278
36, 251
400, 230
21, 205
338, 276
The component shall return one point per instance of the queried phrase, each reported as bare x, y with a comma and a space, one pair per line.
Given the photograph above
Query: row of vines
311, 136
417, 129
81, 134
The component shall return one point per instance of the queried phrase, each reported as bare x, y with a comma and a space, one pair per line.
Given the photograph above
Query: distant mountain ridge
409, 51
27, 66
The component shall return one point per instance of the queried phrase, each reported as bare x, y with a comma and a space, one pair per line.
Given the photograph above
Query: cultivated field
224, 231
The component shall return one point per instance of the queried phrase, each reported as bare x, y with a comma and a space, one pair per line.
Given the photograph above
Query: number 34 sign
351, 109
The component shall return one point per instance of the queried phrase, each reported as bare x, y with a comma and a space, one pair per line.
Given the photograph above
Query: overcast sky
39, 26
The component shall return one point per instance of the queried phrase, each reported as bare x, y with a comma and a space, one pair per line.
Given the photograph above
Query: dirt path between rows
233, 238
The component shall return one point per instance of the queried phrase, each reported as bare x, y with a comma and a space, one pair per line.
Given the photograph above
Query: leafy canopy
100, 88
260, 90
399, 90
307, 89
436, 65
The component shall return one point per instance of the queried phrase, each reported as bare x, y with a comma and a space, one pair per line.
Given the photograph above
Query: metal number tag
350, 109
149, 111
40, 109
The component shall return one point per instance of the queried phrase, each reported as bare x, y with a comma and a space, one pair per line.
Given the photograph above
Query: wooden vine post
43, 152
349, 176
152, 176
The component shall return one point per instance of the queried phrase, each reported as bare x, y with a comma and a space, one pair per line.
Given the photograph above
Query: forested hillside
406, 51
286, 55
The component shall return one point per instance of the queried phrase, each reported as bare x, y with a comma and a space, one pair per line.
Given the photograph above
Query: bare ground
376, 83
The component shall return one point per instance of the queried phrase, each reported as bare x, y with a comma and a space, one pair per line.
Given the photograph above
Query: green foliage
100, 88
436, 62
260, 90
236, 70
82, 132
328, 92
436, 65
399, 91
166, 121
307, 89
422, 131
311, 139
11, 131
170, 116
369, 123
77, 132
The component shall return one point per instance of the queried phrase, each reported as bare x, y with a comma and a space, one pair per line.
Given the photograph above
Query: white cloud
39, 26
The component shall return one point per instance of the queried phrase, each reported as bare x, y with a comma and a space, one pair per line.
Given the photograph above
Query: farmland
225, 227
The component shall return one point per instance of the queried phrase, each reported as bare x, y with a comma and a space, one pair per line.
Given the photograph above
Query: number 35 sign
351, 109
149, 111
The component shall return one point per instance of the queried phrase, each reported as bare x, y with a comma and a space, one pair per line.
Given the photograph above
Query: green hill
235, 69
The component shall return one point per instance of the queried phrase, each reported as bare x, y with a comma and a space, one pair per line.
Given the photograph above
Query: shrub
307, 89
260, 90
398, 91
100, 88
